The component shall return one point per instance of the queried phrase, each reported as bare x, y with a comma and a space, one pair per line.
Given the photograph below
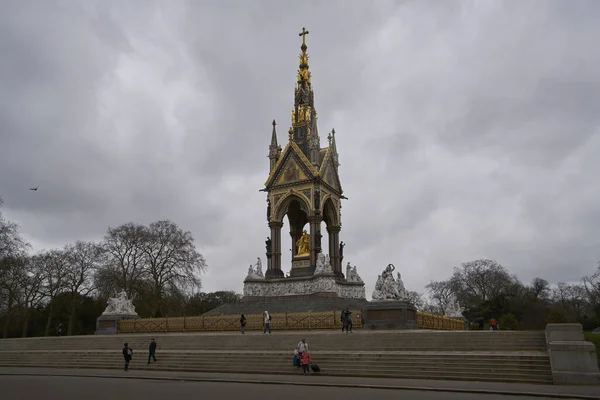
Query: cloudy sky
466, 129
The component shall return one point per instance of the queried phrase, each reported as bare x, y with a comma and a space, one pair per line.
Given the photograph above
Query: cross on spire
303, 34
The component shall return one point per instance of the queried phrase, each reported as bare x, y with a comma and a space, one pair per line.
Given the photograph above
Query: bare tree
171, 260
11, 243
124, 266
480, 280
54, 265
83, 259
572, 299
416, 299
539, 290
592, 286
441, 295
10, 287
30, 280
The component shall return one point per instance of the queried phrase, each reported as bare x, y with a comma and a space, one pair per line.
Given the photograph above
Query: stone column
274, 269
334, 250
315, 225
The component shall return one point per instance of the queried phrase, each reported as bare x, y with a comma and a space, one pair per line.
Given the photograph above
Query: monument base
109, 324
301, 286
390, 314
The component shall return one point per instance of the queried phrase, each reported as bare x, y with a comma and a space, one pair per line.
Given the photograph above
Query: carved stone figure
377, 293
348, 272
268, 210
342, 244
307, 113
255, 271
355, 276
387, 288
303, 245
120, 305
400, 286
259, 267
323, 265
454, 310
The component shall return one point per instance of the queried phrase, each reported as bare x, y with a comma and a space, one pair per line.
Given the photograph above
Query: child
305, 359
296, 359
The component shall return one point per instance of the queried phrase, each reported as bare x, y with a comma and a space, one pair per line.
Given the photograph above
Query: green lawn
595, 338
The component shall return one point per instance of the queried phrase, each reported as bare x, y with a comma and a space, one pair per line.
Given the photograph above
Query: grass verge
594, 338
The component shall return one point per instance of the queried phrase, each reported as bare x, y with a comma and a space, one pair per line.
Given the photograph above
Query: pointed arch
283, 205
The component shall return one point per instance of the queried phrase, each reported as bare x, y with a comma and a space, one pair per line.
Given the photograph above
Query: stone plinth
572, 358
390, 314
109, 324
301, 267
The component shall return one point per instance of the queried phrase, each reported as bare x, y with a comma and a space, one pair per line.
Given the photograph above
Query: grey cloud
465, 129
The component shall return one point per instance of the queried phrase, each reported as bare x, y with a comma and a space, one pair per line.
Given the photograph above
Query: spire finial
303, 34
303, 74
291, 133
274, 123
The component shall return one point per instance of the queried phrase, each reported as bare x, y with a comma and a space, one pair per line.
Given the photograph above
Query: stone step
374, 361
455, 374
463, 341
470, 356
334, 363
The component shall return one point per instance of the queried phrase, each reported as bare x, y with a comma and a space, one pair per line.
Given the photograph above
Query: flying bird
35, 188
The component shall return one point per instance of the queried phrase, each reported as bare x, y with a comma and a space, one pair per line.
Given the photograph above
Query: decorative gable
329, 173
291, 173
292, 167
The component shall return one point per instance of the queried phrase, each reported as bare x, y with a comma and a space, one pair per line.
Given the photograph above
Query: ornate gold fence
287, 321
433, 321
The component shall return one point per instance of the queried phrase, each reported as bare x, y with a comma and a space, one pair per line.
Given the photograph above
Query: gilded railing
439, 322
284, 321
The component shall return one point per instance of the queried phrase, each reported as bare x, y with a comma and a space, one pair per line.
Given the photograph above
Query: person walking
267, 323
152, 351
302, 347
59, 329
243, 323
127, 355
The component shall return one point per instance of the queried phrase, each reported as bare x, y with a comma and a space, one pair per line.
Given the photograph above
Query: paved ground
76, 388
293, 383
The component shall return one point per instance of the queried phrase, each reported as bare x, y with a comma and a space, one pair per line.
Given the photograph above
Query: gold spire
303, 73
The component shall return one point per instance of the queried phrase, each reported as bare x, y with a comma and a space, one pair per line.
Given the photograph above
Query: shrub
508, 322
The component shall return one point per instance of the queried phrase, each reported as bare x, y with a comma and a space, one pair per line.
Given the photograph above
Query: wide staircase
501, 356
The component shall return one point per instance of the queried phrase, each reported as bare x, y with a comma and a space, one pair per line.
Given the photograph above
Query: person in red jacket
305, 359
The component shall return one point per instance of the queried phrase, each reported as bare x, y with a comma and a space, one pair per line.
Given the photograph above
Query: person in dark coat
243, 323
127, 355
152, 351
479, 321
